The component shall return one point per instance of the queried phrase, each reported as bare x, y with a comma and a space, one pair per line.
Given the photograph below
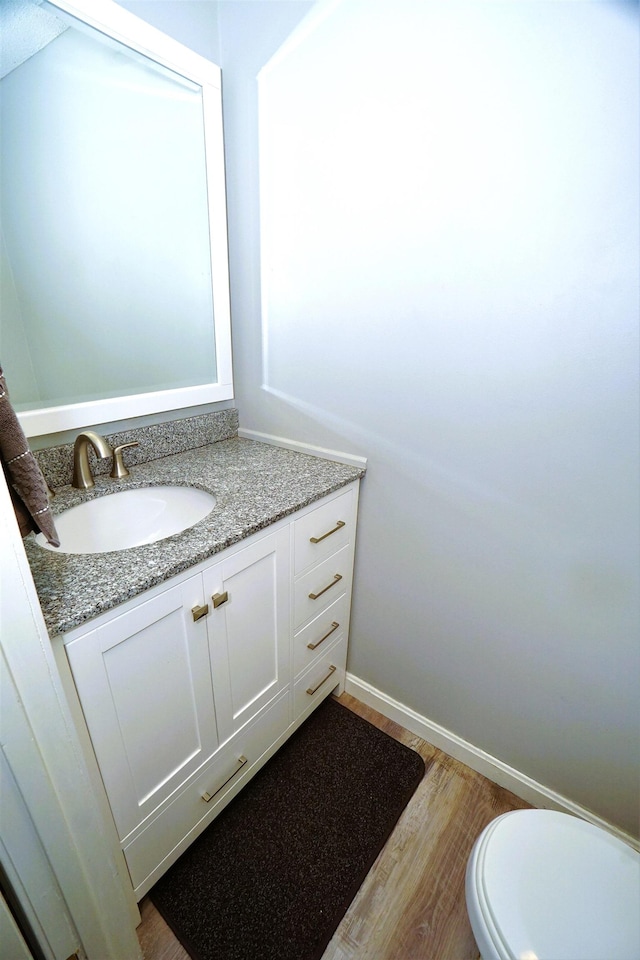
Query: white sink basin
129, 518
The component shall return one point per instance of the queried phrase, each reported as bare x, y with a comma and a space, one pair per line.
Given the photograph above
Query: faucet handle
118, 470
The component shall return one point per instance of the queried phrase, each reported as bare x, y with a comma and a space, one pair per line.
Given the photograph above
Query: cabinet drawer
318, 682
322, 585
324, 531
312, 641
168, 835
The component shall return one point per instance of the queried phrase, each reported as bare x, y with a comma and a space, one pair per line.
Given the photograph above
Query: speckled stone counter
255, 485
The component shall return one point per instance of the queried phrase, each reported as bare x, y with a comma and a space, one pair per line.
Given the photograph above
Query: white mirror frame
116, 22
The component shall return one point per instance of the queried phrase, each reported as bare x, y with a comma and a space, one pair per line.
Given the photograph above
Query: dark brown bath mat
273, 875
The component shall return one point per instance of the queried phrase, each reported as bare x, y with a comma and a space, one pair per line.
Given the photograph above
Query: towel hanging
27, 486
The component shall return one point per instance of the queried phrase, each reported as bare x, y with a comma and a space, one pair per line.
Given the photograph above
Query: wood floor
412, 904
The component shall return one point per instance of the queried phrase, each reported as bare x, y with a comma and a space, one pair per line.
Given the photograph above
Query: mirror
113, 254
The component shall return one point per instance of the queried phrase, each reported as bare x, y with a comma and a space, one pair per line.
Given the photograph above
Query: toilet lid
553, 887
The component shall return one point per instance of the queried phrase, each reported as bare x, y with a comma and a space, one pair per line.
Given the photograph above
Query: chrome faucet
82, 476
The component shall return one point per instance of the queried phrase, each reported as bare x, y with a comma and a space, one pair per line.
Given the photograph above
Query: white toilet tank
543, 885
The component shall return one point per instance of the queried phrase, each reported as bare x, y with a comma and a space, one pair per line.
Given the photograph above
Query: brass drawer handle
312, 690
338, 526
219, 599
199, 612
206, 796
336, 577
334, 627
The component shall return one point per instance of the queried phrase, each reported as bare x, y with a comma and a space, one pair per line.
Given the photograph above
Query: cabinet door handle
200, 612
219, 599
312, 690
334, 627
336, 577
337, 527
206, 796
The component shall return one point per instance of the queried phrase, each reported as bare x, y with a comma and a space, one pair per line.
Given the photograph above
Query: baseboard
495, 770
349, 458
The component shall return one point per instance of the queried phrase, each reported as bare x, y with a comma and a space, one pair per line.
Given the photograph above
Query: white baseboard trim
490, 767
349, 458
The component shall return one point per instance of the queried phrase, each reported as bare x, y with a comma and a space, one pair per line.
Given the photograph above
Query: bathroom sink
129, 518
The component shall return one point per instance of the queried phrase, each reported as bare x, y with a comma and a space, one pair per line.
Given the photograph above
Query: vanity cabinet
187, 690
164, 685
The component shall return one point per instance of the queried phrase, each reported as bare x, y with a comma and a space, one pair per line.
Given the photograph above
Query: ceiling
25, 28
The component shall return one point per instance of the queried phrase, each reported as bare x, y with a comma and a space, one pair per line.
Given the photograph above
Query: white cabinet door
248, 593
144, 683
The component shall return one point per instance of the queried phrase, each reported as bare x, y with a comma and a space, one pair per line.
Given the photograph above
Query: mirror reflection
105, 251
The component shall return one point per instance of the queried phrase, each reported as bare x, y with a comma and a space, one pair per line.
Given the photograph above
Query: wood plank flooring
411, 906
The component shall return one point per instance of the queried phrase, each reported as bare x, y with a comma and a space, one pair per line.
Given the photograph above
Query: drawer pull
338, 526
206, 796
336, 578
334, 627
312, 690
219, 599
199, 612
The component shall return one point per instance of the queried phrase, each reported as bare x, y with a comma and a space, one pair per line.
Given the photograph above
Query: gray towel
26, 484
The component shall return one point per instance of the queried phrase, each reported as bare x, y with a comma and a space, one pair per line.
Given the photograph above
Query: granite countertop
255, 484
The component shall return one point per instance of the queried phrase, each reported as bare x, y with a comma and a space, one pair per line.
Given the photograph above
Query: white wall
192, 22
443, 277
446, 282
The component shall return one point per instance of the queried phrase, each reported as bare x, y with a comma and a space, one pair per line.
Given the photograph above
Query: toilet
543, 885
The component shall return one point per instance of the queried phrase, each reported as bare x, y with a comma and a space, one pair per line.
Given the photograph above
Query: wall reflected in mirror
106, 280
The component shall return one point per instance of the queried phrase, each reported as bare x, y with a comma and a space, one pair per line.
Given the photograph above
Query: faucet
82, 476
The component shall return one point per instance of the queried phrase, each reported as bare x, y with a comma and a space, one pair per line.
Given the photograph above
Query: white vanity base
183, 693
